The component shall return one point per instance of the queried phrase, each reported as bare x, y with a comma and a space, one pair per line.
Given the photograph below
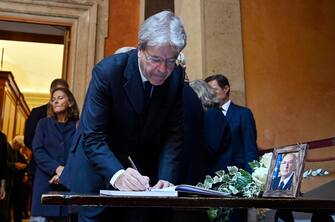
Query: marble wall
289, 67
215, 42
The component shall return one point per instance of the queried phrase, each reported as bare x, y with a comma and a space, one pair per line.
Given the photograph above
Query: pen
134, 167
132, 163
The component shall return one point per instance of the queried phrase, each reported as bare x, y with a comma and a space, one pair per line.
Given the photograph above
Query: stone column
214, 41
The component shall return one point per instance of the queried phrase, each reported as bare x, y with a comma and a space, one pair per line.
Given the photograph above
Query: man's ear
226, 89
139, 51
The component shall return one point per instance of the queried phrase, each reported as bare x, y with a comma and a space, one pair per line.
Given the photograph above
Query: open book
179, 190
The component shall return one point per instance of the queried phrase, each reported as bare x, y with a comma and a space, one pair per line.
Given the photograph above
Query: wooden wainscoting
13, 108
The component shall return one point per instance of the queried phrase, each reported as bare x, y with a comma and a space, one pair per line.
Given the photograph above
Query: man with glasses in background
133, 108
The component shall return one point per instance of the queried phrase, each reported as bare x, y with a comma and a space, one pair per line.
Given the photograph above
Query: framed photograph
285, 173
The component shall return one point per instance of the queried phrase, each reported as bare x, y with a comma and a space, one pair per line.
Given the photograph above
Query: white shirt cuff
115, 176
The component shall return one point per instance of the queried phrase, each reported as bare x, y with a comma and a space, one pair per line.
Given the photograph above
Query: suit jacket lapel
134, 86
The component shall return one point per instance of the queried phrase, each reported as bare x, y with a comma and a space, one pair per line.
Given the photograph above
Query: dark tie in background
222, 110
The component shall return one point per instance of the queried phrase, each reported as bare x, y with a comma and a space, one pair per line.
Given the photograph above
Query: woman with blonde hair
51, 145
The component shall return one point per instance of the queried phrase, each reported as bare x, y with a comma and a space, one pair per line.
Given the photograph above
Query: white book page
166, 189
149, 193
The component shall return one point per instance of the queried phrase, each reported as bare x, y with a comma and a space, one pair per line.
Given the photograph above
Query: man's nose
162, 67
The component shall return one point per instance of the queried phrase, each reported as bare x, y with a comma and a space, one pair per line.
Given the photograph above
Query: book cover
194, 190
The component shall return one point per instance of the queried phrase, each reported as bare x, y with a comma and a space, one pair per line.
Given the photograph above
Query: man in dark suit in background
35, 115
243, 148
133, 107
241, 122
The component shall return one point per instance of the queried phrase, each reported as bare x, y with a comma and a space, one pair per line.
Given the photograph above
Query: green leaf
217, 179
254, 164
200, 185
232, 169
233, 189
209, 179
220, 173
212, 213
242, 181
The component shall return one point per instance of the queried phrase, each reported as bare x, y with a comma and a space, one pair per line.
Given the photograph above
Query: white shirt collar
144, 79
286, 179
142, 76
225, 107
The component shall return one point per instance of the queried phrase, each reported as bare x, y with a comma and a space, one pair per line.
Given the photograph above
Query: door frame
87, 22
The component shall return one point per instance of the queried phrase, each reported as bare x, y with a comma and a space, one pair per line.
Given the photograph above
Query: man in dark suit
133, 108
243, 148
286, 173
242, 126
35, 115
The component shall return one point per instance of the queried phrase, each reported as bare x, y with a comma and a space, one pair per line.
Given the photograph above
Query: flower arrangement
238, 182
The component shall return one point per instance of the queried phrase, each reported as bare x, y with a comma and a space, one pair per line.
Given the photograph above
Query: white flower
314, 173
266, 159
259, 175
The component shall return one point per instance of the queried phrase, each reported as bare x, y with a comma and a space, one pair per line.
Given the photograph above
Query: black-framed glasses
155, 60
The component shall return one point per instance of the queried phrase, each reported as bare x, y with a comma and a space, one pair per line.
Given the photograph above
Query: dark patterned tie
147, 90
222, 110
281, 185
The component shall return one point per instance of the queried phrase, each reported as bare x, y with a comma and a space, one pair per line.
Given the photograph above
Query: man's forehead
162, 48
214, 84
289, 157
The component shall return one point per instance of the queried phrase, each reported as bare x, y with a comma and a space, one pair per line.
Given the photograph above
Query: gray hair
162, 28
205, 94
124, 49
17, 140
181, 60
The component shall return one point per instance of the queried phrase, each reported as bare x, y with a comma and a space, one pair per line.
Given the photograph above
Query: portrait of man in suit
286, 173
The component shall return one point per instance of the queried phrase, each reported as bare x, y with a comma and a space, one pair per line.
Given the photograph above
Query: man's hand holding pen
131, 179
